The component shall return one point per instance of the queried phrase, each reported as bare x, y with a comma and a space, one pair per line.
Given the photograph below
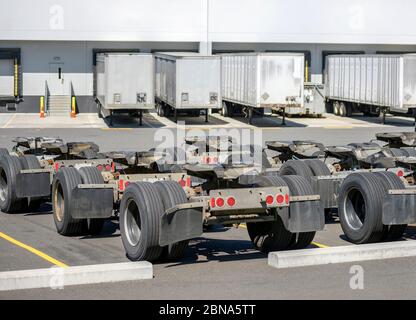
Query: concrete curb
353, 253
56, 277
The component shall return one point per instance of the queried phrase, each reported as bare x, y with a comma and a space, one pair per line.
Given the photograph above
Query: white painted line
60, 277
10, 121
353, 253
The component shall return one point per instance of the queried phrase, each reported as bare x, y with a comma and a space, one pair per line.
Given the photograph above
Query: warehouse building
48, 48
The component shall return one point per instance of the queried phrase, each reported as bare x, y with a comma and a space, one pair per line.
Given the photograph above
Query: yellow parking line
33, 250
319, 245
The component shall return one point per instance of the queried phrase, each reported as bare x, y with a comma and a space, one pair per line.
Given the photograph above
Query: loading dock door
56, 82
6, 77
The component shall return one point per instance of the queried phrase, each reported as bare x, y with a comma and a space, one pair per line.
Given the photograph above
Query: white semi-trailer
371, 84
125, 83
254, 81
187, 82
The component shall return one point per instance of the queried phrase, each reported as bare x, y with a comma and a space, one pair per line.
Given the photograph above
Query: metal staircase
59, 105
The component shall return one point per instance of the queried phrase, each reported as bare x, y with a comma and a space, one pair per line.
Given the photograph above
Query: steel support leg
283, 117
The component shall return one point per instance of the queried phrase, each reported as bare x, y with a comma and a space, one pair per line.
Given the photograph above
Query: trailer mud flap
92, 203
179, 225
399, 208
33, 184
305, 216
328, 189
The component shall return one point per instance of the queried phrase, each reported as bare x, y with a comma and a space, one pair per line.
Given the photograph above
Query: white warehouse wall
286, 21
66, 32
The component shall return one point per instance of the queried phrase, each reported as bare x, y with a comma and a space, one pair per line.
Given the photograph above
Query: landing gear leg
250, 115
111, 118
383, 120
283, 117
141, 117
176, 115
206, 115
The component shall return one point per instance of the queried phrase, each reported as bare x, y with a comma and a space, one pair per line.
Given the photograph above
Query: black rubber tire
399, 152
296, 168
225, 110
4, 152
343, 112
390, 181
361, 194
172, 194
270, 236
336, 107
411, 152
91, 175
63, 183
317, 167
142, 202
299, 186
10, 166
31, 162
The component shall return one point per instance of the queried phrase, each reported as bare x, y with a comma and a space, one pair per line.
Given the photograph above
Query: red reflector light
231, 201
400, 173
56, 166
107, 167
280, 198
113, 167
121, 185
188, 182
269, 200
182, 183
126, 184
212, 202
220, 202
100, 167
287, 200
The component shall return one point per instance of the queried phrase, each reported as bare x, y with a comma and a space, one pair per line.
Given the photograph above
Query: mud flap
328, 189
399, 209
305, 216
33, 185
92, 203
180, 225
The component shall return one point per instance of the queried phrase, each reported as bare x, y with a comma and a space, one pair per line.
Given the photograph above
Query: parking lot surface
221, 264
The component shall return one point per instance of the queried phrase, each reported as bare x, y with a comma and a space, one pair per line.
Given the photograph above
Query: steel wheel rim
355, 208
132, 223
3, 186
59, 201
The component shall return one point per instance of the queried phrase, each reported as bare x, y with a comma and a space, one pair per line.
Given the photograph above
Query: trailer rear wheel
91, 175
296, 168
226, 110
172, 194
64, 182
270, 236
10, 166
299, 186
318, 167
390, 181
336, 108
343, 111
360, 206
140, 212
